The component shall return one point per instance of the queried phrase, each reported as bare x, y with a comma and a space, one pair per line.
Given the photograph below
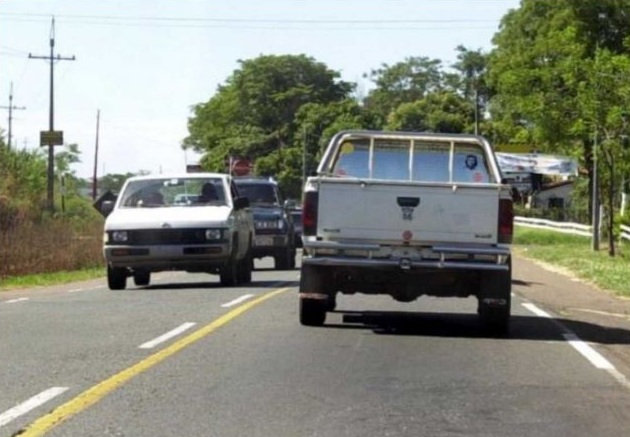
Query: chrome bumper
440, 256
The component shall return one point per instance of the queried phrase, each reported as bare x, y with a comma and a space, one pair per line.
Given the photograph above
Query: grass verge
574, 253
47, 279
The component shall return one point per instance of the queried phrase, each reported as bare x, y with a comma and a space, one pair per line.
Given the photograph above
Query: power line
260, 20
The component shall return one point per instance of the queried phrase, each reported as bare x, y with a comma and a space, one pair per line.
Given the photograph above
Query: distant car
296, 215
274, 234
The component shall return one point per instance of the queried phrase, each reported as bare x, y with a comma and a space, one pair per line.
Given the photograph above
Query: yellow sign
50, 138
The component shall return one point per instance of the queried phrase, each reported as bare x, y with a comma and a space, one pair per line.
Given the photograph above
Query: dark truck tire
495, 301
116, 278
244, 269
312, 312
313, 282
228, 274
285, 260
142, 277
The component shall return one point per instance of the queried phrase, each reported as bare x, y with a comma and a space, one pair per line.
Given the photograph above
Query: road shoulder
597, 316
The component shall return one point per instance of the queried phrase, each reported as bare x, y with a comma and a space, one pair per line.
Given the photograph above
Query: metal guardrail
625, 232
566, 227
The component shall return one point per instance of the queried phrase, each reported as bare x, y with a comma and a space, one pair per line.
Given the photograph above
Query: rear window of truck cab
411, 160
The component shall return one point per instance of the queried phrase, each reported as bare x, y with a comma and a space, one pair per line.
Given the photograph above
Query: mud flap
495, 300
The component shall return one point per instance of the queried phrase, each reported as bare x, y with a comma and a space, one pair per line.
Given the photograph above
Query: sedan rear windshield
166, 192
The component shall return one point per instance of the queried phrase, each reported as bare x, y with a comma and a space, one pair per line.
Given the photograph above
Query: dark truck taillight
506, 221
309, 213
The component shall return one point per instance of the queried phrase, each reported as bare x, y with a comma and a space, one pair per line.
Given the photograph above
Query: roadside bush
51, 245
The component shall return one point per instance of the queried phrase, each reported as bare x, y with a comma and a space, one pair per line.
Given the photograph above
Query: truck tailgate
421, 213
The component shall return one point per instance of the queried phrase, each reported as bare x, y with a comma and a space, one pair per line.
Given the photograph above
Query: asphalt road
185, 357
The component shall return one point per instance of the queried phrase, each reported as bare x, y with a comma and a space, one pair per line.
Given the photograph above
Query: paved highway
185, 357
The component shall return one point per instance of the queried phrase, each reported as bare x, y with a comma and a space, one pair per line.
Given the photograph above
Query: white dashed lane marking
170, 334
30, 404
21, 299
237, 300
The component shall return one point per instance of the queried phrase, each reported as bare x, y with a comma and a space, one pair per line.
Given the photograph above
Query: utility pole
304, 156
595, 219
51, 123
94, 177
595, 198
11, 107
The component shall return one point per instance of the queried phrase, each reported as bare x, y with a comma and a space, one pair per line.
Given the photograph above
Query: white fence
566, 227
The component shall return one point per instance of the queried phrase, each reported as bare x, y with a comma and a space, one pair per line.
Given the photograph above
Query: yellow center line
96, 393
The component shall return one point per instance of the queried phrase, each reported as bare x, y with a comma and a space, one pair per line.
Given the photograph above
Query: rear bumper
439, 256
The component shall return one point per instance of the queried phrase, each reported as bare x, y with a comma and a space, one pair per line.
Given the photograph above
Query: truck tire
312, 281
228, 274
495, 299
312, 312
285, 260
142, 277
116, 278
245, 269
292, 261
331, 302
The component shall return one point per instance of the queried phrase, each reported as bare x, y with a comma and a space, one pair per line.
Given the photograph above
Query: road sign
50, 137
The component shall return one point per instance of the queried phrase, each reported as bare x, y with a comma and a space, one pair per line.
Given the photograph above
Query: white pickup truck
195, 222
407, 214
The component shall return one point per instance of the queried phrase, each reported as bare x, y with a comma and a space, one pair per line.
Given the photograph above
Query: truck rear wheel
116, 278
312, 312
313, 283
495, 299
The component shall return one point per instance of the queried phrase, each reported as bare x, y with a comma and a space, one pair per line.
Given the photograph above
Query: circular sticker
347, 148
407, 235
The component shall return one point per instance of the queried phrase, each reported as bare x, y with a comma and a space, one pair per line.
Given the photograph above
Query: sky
143, 64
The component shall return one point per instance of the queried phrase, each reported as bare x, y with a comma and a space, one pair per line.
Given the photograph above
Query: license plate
263, 241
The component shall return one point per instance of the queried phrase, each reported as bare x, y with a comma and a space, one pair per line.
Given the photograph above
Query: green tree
443, 111
403, 82
253, 113
113, 182
605, 107
541, 65
471, 81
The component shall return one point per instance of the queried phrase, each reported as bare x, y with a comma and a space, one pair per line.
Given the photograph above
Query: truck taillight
309, 213
506, 221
